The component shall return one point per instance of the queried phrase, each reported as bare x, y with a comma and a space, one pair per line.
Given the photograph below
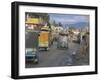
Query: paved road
60, 57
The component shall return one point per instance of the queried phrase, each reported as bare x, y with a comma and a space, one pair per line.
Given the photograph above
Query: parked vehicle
31, 46
62, 41
31, 55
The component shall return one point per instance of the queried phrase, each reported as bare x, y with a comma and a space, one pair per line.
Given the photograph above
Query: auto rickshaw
44, 38
63, 40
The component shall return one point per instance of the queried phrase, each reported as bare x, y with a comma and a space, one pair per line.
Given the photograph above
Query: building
33, 23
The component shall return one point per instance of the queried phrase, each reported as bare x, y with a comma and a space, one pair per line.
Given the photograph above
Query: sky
68, 18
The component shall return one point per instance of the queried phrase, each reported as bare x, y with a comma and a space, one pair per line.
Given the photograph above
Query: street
55, 57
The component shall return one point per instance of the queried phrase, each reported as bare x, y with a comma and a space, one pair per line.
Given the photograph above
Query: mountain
78, 25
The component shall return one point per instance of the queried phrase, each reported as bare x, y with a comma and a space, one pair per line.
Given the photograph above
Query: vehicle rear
43, 39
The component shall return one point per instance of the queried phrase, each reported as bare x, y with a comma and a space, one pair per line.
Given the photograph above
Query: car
31, 55
62, 41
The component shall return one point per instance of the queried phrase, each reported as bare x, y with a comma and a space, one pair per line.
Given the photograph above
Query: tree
60, 24
54, 23
72, 28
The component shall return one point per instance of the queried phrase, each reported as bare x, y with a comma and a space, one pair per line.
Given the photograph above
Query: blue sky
68, 18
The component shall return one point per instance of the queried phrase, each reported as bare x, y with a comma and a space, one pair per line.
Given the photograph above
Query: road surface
60, 57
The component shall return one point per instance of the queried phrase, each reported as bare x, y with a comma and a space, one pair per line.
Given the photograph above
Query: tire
36, 62
45, 48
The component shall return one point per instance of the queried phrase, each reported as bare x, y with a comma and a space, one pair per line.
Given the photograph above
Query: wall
5, 40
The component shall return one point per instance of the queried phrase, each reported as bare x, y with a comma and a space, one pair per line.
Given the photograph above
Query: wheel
36, 62
46, 48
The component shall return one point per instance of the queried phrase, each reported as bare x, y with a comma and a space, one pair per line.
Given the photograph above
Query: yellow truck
44, 38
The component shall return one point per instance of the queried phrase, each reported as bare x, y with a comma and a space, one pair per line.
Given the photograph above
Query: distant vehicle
62, 41
31, 55
76, 38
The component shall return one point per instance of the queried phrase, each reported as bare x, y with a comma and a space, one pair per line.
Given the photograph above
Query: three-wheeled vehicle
62, 40
44, 38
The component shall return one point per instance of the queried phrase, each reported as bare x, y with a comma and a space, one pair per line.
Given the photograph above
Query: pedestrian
83, 46
87, 41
